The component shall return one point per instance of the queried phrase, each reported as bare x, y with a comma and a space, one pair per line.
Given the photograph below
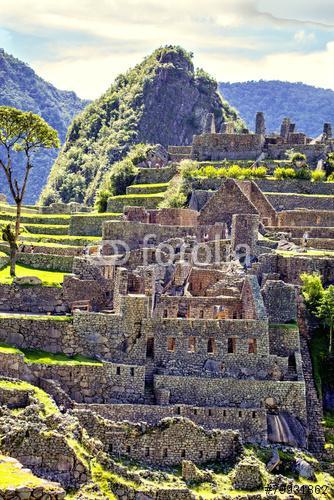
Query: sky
82, 45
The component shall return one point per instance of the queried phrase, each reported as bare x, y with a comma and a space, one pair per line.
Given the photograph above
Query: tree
312, 290
21, 133
325, 312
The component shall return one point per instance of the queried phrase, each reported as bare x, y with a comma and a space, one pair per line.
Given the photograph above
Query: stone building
244, 145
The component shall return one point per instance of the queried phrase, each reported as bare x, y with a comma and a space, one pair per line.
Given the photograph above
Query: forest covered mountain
161, 100
21, 88
309, 107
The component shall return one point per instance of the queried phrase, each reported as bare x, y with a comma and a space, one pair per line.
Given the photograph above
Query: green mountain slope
162, 100
21, 88
309, 107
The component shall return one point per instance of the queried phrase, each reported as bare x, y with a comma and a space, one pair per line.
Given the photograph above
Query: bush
330, 178
122, 175
210, 172
260, 172
174, 197
296, 157
188, 169
281, 173
303, 173
101, 201
318, 176
234, 172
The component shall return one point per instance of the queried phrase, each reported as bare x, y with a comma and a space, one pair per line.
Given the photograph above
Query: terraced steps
147, 188
149, 201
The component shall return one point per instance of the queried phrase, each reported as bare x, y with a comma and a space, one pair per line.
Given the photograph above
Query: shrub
330, 178
298, 157
101, 201
303, 173
188, 169
281, 173
260, 172
175, 196
121, 176
209, 172
234, 172
318, 176
222, 172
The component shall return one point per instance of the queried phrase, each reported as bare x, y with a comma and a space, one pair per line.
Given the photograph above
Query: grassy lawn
309, 252
35, 317
48, 358
11, 476
50, 407
157, 185
49, 278
62, 239
136, 196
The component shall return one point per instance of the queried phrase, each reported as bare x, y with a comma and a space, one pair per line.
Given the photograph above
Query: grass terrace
50, 407
48, 358
12, 476
49, 278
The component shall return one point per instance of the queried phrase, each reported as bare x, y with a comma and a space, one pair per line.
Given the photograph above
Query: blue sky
82, 45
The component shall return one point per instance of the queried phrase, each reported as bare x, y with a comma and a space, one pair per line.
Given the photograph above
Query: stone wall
284, 339
289, 396
324, 218
227, 201
288, 201
95, 383
278, 292
251, 422
155, 175
312, 151
36, 299
134, 234
294, 186
313, 232
88, 225
227, 146
117, 203
166, 443
62, 263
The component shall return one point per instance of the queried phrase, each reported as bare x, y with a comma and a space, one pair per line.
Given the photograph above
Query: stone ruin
228, 144
177, 335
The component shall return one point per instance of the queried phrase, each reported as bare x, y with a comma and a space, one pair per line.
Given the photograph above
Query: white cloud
111, 35
313, 68
303, 37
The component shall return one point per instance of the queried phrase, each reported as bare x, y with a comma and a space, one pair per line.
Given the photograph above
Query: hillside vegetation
21, 88
161, 100
309, 107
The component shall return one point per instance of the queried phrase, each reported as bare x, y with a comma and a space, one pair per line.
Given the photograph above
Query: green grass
308, 252
157, 185
136, 196
49, 278
288, 326
49, 405
43, 217
61, 239
97, 214
300, 194
36, 317
48, 358
11, 476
